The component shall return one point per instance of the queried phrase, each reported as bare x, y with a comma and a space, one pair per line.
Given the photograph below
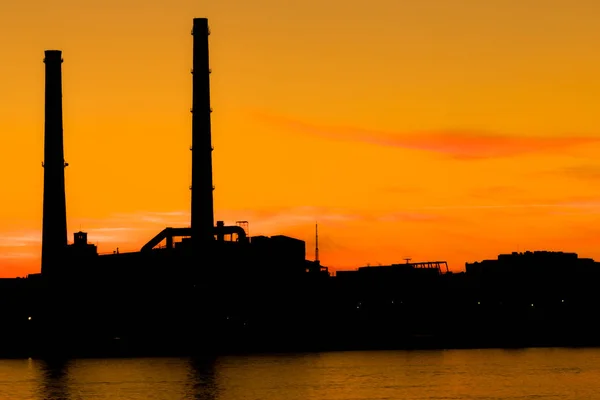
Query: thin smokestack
54, 229
202, 185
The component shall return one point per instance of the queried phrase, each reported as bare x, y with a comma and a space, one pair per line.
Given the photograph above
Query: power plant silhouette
202, 233
211, 288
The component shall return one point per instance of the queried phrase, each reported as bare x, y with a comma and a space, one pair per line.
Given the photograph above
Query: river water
572, 374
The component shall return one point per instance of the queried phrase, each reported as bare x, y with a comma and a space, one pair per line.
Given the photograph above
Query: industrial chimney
54, 229
202, 186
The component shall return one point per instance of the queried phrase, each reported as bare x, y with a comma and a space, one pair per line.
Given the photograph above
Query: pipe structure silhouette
54, 225
202, 212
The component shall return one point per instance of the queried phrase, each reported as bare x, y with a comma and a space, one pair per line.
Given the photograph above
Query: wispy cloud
117, 229
493, 192
409, 216
277, 220
568, 204
265, 220
136, 221
12, 255
111, 236
310, 215
589, 171
461, 144
20, 238
129, 231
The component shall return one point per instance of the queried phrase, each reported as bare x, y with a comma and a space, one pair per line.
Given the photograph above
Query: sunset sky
433, 129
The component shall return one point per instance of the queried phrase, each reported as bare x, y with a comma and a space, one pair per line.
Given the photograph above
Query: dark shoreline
265, 351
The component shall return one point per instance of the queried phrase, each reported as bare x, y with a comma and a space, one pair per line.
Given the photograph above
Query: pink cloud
461, 144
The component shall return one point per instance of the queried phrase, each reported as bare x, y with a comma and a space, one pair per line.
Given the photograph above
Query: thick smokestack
54, 229
202, 186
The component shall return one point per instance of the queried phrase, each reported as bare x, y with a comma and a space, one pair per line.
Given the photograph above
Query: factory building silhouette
212, 288
182, 281
202, 233
199, 241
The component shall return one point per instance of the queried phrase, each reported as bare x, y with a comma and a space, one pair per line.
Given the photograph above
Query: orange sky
428, 129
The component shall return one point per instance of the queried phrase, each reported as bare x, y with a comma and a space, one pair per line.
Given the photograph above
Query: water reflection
202, 380
54, 382
569, 374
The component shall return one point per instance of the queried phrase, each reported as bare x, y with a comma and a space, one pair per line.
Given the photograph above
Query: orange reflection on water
569, 374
